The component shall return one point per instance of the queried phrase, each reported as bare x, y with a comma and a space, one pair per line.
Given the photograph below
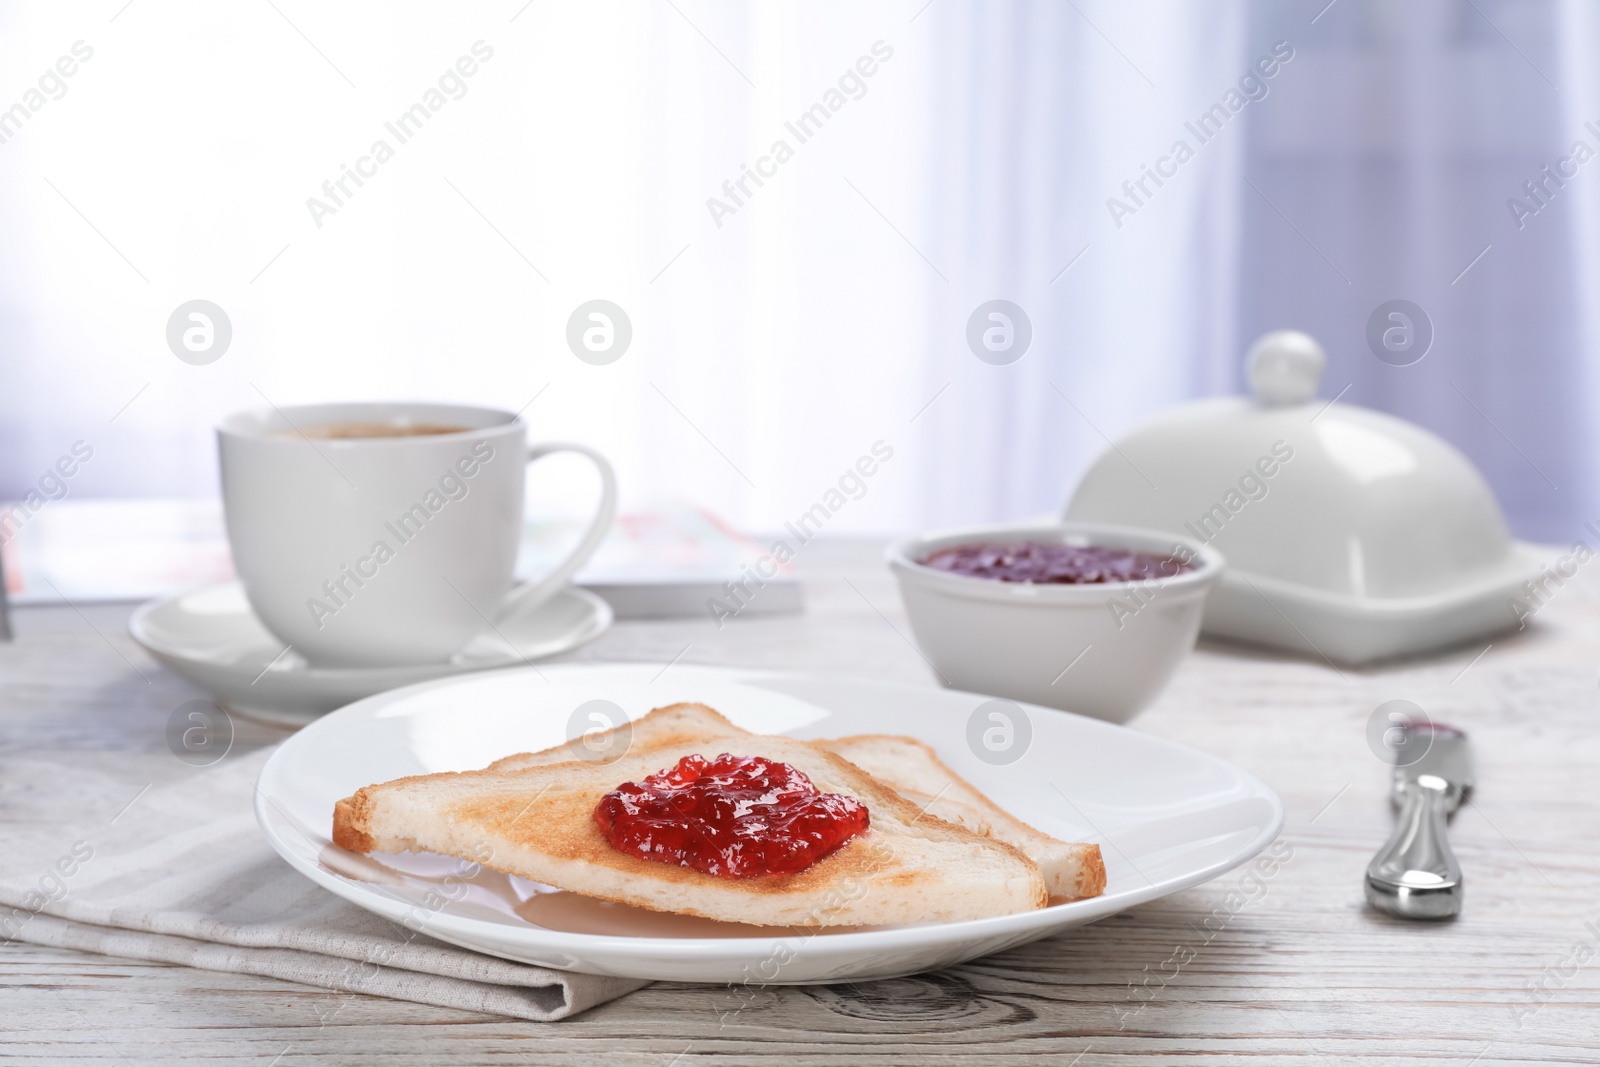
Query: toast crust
685, 723
349, 815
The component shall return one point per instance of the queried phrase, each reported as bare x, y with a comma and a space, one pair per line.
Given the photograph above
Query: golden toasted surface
566, 830
533, 815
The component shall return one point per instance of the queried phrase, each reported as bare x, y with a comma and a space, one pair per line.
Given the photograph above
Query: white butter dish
1349, 534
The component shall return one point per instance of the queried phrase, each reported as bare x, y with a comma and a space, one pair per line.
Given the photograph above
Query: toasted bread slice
915, 770
686, 724
910, 767
538, 823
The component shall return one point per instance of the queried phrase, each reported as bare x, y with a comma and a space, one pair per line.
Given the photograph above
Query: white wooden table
1303, 971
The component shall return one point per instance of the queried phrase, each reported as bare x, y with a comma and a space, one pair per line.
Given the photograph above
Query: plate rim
657, 950
419, 674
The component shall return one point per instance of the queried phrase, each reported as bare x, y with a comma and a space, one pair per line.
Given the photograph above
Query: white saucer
211, 637
1167, 817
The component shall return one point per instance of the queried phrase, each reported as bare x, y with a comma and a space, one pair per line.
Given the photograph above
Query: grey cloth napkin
183, 875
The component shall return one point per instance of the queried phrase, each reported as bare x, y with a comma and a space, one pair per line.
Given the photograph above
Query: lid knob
1284, 367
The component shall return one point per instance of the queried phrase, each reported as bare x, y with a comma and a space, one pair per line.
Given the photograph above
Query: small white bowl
1104, 649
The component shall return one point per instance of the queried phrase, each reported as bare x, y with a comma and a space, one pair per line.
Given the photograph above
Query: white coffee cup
386, 550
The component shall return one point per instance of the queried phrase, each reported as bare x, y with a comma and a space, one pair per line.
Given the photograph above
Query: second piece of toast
1071, 869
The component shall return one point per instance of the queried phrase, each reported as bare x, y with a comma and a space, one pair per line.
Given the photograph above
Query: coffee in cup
356, 431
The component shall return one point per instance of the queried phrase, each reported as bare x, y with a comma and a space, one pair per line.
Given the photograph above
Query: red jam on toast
732, 817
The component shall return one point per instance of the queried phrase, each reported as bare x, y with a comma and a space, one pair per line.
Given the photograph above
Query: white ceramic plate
1166, 817
211, 637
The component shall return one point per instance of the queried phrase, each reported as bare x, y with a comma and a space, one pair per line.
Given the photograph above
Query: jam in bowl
1078, 616
1055, 562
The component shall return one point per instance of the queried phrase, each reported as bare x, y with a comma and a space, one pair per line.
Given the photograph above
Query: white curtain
775, 343
1039, 114
1401, 134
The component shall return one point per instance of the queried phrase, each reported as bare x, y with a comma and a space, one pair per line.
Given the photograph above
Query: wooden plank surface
1302, 971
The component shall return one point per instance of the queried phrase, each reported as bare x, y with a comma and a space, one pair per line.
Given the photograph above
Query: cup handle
532, 594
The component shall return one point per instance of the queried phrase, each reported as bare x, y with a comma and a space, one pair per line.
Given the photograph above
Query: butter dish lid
1325, 497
